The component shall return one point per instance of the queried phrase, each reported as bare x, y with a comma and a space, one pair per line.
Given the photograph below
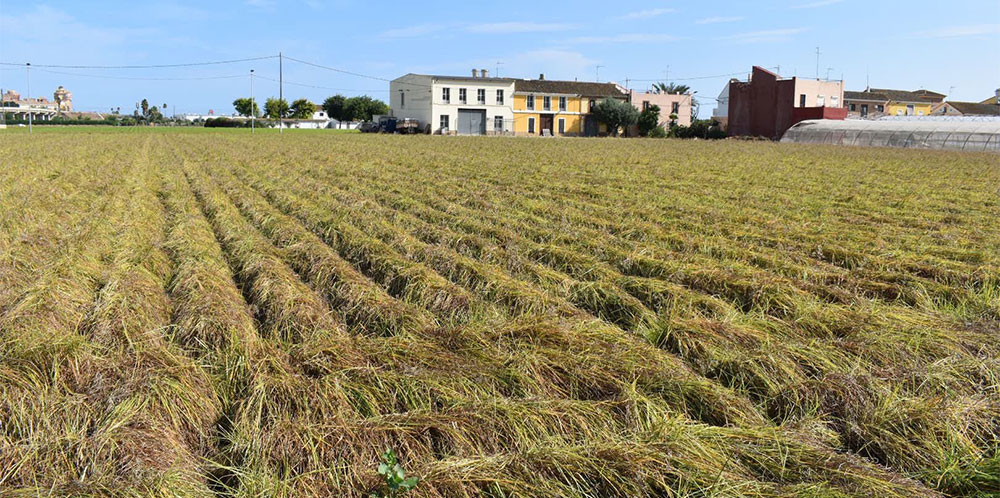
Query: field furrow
214, 313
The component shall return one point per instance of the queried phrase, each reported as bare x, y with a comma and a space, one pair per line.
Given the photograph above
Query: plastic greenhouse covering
963, 135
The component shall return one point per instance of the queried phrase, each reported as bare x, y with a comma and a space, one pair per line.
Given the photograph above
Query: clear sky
949, 47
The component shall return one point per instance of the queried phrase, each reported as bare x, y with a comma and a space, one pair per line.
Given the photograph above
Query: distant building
965, 109
40, 108
865, 104
464, 105
561, 108
721, 112
669, 103
876, 102
767, 105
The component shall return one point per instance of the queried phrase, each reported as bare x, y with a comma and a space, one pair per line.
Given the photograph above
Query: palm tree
670, 88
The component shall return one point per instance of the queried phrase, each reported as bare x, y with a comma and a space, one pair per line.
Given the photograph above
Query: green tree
276, 108
334, 107
145, 108
649, 119
616, 114
243, 107
302, 109
154, 115
670, 88
363, 108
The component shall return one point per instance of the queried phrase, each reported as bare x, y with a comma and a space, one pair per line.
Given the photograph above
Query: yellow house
907, 103
560, 108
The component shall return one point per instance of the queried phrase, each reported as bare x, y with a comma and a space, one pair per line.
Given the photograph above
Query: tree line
337, 107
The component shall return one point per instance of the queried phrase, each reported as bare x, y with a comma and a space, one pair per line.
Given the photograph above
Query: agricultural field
210, 313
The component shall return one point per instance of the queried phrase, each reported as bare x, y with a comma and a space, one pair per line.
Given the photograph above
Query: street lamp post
27, 70
252, 113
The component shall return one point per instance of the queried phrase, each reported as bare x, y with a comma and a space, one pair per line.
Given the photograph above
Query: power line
352, 73
148, 66
140, 78
317, 86
690, 78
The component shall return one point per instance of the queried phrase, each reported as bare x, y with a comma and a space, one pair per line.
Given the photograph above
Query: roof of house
922, 96
976, 109
470, 78
991, 100
879, 97
457, 78
585, 88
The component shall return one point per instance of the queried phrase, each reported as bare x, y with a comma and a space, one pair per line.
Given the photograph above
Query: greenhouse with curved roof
931, 134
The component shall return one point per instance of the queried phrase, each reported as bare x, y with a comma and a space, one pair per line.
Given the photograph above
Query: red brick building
767, 105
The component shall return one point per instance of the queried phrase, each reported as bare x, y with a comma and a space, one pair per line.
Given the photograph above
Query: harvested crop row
131, 411
288, 309
822, 373
402, 278
363, 303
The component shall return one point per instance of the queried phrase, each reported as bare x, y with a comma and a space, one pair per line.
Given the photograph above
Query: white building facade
462, 105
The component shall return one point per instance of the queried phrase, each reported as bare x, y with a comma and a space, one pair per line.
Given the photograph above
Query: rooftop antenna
828, 73
499, 63
867, 83
597, 72
950, 89
817, 62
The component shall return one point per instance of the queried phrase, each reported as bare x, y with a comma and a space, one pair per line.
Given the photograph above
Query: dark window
402, 99
591, 104
530, 102
446, 95
562, 126
498, 122
880, 108
864, 109
444, 121
675, 107
853, 108
562, 103
546, 103
481, 95
802, 100
499, 97
531, 125
645, 105
461, 95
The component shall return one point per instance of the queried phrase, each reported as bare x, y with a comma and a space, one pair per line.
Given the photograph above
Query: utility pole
281, 92
817, 62
27, 71
597, 72
253, 111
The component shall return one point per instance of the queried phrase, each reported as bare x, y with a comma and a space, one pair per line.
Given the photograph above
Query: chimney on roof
541, 76
484, 73
475, 73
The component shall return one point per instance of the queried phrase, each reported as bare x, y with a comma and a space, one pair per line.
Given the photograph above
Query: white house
721, 111
476, 105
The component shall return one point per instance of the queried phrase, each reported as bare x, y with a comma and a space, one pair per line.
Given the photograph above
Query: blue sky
898, 44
